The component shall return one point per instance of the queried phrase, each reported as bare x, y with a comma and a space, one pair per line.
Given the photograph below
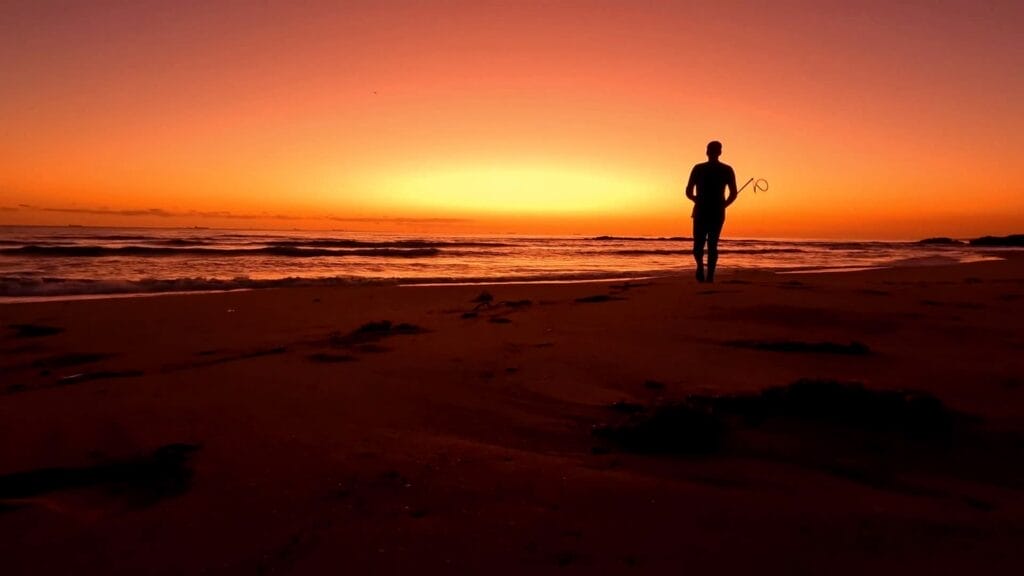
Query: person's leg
699, 237
714, 231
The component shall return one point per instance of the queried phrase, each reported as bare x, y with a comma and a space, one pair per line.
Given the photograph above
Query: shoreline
37, 266
314, 282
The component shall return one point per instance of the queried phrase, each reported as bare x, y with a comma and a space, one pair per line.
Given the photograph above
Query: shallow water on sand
60, 261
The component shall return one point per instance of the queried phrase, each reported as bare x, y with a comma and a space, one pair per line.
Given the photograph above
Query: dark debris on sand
598, 298
854, 348
363, 340
215, 357
140, 481
628, 286
71, 379
385, 328
894, 440
68, 360
906, 414
700, 424
483, 298
34, 330
98, 375
517, 303
328, 358
485, 303
373, 331
624, 407
676, 428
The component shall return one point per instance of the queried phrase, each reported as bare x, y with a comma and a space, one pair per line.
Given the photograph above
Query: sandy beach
397, 430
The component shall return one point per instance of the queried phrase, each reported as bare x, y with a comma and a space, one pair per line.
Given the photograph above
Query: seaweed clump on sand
854, 348
140, 481
373, 331
703, 424
385, 328
34, 330
899, 414
677, 428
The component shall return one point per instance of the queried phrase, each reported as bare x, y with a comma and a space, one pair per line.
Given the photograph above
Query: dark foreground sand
264, 433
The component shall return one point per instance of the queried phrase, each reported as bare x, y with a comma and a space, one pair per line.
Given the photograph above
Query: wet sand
426, 429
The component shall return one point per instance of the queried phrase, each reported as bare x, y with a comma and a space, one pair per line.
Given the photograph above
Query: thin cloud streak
162, 213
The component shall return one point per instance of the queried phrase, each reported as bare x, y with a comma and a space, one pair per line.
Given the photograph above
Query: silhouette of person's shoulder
713, 166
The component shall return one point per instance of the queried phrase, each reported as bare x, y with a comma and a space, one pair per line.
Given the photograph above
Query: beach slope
389, 429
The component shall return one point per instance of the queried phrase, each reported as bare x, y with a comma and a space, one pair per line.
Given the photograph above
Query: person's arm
732, 188
691, 186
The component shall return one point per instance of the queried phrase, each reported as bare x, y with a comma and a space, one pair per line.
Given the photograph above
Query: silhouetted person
706, 189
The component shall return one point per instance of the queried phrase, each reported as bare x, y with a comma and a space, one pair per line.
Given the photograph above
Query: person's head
714, 149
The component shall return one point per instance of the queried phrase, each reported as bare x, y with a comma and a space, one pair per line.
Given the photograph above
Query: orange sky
880, 120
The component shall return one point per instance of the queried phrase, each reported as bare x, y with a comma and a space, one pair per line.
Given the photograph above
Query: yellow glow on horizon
500, 190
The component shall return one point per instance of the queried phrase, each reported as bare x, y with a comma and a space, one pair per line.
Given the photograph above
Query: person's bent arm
691, 186
732, 189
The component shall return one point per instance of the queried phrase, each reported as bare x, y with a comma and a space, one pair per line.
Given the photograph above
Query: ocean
49, 262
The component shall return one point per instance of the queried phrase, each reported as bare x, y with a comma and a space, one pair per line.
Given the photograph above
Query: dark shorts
707, 224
